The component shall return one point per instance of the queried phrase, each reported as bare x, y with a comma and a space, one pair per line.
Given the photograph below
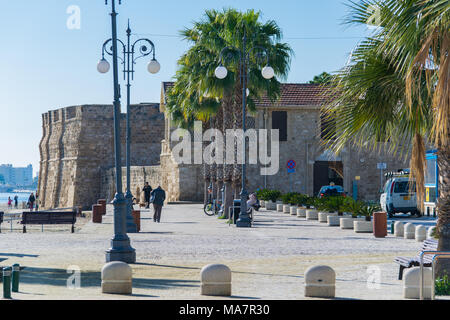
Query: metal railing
433, 261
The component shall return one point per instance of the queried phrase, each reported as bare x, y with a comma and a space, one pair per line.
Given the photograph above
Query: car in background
331, 191
399, 196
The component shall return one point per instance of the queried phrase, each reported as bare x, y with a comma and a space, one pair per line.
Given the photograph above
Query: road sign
382, 166
291, 164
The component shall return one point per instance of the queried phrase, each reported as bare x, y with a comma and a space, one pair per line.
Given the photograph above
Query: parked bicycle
213, 206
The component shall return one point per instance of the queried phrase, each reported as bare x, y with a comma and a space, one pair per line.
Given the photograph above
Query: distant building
17, 176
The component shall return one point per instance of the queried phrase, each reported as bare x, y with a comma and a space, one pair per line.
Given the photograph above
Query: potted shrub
366, 211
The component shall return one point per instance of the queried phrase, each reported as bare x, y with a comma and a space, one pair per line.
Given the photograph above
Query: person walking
147, 191
158, 196
9, 203
31, 201
16, 201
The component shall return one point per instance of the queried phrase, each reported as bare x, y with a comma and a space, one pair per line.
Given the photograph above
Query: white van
398, 197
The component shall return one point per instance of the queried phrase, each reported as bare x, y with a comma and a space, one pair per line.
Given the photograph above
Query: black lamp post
121, 249
221, 73
146, 47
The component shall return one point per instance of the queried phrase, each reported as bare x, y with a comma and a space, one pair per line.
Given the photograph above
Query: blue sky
45, 66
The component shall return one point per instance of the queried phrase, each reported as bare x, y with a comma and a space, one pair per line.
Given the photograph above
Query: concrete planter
312, 214
293, 210
286, 208
271, 206
262, 203
334, 221
324, 215
279, 207
347, 223
363, 226
301, 212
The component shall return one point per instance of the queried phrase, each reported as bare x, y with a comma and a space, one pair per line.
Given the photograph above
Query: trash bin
236, 209
380, 224
97, 213
137, 219
102, 202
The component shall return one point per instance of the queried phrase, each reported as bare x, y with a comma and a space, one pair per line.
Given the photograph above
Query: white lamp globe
103, 66
268, 72
153, 66
221, 72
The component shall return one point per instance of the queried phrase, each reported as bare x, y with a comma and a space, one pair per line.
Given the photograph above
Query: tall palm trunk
237, 112
206, 167
219, 166
227, 104
443, 207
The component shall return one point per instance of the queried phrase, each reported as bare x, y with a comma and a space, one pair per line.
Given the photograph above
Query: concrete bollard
117, 278
286, 208
421, 233
215, 280
102, 202
399, 229
312, 214
430, 233
97, 213
279, 207
320, 282
410, 231
301, 213
411, 283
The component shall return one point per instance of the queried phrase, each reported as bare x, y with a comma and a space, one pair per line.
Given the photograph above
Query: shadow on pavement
19, 255
60, 278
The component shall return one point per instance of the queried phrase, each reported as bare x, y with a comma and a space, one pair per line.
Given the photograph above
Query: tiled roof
297, 94
292, 94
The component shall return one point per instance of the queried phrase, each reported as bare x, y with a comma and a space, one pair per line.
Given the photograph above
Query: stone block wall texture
77, 147
303, 146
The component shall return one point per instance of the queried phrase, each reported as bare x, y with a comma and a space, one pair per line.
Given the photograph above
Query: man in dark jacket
147, 191
158, 198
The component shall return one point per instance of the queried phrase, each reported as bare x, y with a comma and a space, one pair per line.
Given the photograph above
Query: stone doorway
326, 172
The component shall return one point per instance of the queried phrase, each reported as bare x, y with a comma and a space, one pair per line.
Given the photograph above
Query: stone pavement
267, 261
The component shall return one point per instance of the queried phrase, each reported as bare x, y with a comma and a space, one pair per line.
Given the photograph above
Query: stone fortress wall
77, 151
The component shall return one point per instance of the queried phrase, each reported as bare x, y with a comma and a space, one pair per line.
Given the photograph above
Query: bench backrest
49, 217
429, 245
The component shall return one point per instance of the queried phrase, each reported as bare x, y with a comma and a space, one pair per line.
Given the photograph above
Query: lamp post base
127, 256
244, 222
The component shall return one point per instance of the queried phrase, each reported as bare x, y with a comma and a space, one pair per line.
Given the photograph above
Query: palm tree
197, 93
396, 89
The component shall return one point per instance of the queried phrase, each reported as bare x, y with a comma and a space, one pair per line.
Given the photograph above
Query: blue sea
22, 197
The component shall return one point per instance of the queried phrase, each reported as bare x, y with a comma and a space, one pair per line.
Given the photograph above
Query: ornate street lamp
146, 47
268, 73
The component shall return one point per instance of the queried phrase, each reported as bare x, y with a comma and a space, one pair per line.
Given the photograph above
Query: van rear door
402, 196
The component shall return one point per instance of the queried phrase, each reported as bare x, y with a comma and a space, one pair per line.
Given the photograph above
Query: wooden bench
408, 262
1, 220
48, 218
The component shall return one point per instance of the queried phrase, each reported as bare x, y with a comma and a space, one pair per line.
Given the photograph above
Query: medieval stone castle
77, 153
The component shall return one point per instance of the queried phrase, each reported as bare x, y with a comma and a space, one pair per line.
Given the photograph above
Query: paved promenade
268, 261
